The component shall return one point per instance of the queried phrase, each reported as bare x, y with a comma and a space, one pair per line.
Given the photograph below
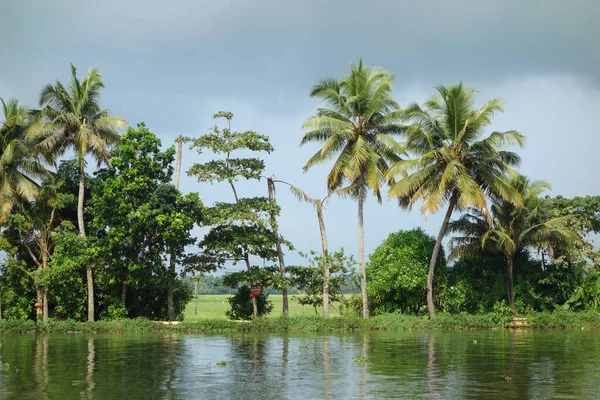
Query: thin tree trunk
436, 253
88, 267
38, 301
173, 255
246, 255
171, 284
45, 305
254, 300
509, 284
361, 258
178, 164
271, 187
124, 292
44, 264
195, 294
319, 207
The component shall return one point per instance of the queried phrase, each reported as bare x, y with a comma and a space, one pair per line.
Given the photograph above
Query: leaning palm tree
356, 128
452, 162
71, 118
20, 172
515, 228
301, 195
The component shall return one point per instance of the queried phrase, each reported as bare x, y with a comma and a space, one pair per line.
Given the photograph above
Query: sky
173, 64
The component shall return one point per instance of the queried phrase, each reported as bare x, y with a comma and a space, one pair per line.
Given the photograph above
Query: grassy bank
390, 322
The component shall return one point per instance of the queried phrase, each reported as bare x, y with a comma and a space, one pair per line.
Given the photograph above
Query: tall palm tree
356, 127
452, 162
20, 172
71, 118
514, 228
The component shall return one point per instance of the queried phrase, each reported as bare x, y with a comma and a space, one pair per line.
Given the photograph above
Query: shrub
241, 304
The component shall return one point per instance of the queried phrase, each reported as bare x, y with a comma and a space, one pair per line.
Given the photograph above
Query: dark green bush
241, 304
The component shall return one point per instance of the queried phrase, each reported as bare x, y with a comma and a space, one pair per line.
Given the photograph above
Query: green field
213, 306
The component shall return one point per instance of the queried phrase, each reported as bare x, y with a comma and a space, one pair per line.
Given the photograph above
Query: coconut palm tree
514, 228
356, 128
20, 172
71, 118
452, 163
318, 204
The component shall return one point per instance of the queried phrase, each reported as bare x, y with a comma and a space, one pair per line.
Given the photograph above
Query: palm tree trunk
173, 255
509, 284
45, 312
361, 258
436, 253
88, 267
284, 292
39, 298
45, 305
178, 164
325, 260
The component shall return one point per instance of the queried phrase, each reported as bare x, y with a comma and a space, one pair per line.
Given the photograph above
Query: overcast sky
174, 63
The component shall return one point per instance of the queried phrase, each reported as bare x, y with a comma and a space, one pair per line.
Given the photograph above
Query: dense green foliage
109, 244
397, 272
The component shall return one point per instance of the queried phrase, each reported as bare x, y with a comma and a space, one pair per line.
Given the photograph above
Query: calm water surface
540, 365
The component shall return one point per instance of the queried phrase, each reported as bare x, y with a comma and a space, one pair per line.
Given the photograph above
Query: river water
373, 365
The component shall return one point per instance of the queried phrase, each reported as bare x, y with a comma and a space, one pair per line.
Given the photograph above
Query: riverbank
391, 322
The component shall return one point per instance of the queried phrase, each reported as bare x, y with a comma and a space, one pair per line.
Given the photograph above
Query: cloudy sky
174, 63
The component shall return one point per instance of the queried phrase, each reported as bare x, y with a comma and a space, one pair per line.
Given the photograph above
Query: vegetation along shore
114, 248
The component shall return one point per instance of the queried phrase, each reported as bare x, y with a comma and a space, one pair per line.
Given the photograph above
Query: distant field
214, 306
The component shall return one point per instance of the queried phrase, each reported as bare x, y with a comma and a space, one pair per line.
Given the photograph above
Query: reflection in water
326, 368
170, 345
260, 366
91, 364
431, 382
41, 366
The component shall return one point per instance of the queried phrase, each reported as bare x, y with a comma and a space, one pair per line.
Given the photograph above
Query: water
538, 364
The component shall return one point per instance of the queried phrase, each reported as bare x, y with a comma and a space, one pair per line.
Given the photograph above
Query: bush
241, 305
397, 272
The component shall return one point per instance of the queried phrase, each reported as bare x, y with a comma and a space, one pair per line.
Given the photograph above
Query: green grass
214, 306
305, 323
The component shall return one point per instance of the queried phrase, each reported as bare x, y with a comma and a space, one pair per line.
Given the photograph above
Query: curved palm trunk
436, 253
325, 260
509, 284
361, 258
88, 267
271, 187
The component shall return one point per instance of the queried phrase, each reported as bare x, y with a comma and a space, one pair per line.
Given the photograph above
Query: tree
32, 227
20, 172
318, 204
452, 163
357, 127
140, 217
71, 117
311, 280
239, 229
514, 228
397, 275
274, 211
